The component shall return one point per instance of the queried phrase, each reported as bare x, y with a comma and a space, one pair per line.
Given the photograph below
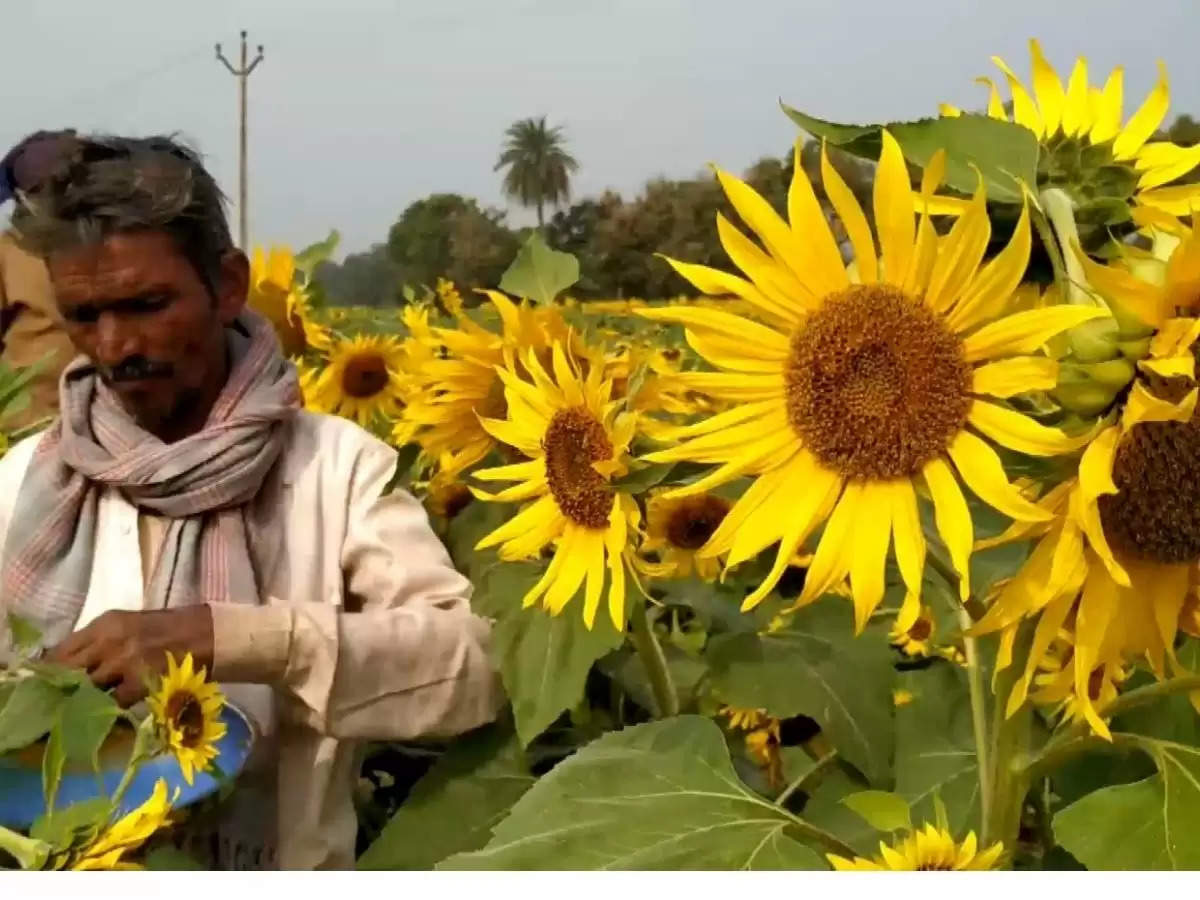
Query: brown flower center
1155, 515
921, 629
184, 711
876, 384
693, 520
575, 440
364, 375
494, 405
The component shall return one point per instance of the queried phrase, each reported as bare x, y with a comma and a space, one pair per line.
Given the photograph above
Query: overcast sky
363, 106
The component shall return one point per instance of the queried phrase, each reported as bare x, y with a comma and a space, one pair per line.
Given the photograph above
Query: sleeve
405, 658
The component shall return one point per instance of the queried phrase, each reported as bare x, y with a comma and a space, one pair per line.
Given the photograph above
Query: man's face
138, 309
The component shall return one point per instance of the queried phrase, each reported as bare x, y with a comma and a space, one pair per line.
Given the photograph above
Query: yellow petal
1016, 431
812, 228
952, 517
1050, 621
1120, 287
614, 541
987, 295
835, 553
894, 219
908, 538
995, 107
777, 283
869, 546
1107, 119
1162, 162
1048, 89
577, 545
1095, 480
847, 207
1178, 200
1025, 111
1025, 332
980, 468
715, 283
1077, 116
960, 254
1009, 377
1143, 406
1146, 120
758, 338
1097, 606
948, 111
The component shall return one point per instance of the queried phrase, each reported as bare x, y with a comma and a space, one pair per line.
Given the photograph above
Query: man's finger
129, 692
71, 645
85, 656
108, 672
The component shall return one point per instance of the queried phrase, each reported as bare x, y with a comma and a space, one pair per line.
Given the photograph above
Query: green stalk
1068, 270
978, 716
648, 648
1010, 747
808, 779
29, 853
1046, 233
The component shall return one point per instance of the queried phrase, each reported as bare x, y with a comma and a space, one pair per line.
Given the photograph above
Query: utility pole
242, 72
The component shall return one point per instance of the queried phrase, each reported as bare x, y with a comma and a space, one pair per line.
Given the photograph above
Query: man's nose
115, 340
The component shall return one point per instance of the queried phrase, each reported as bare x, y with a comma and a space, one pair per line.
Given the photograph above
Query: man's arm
411, 661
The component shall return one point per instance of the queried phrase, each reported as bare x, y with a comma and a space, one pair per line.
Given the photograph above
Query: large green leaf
540, 273
455, 806
313, 255
85, 720
29, 713
861, 140
660, 796
544, 660
1150, 824
1004, 153
816, 666
935, 746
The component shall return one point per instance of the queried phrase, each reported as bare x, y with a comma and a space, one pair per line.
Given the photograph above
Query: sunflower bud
1090, 388
1095, 341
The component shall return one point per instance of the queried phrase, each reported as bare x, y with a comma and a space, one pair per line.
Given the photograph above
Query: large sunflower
275, 295
187, 709
1085, 121
364, 380
577, 439
928, 849
851, 392
453, 390
1118, 560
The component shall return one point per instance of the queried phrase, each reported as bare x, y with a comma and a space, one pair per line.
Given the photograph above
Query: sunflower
676, 529
762, 738
917, 639
275, 295
124, 836
850, 394
1116, 562
577, 439
1054, 683
1079, 127
927, 849
457, 388
364, 380
186, 710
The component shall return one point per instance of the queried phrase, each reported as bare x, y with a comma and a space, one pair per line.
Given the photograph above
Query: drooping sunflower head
275, 294
848, 390
927, 849
1090, 149
187, 713
109, 848
365, 379
676, 529
576, 439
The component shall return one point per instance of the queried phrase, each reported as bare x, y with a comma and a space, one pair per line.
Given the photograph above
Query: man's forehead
118, 266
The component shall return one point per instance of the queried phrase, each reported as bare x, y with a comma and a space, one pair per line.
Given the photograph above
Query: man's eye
147, 304
83, 315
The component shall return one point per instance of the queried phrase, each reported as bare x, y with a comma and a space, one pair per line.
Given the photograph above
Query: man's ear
233, 286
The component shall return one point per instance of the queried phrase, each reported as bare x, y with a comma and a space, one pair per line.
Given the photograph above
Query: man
183, 502
31, 330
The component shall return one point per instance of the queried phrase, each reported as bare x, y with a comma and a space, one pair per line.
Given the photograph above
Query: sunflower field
877, 551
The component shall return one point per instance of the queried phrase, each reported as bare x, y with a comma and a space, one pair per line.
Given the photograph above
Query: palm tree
539, 166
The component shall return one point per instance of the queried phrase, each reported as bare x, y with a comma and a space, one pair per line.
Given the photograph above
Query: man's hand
122, 650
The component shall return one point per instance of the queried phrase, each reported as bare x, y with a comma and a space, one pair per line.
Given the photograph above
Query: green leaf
659, 796
53, 759
935, 746
882, 810
64, 827
29, 713
640, 480
1004, 153
171, 859
539, 273
1148, 825
817, 667
625, 667
85, 720
861, 140
544, 660
314, 254
455, 806
25, 635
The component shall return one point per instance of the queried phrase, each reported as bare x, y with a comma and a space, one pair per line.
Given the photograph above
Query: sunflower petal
1021, 433
1143, 406
835, 553
716, 283
1106, 122
1009, 377
1161, 162
810, 226
1025, 332
848, 209
1097, 606
960, 254
1048, 88
894, 220
1178, 200
869, 549
952, 517
777, 282
980, 468
995, 283
908, 539
1077, 117
1143, 123
1025, 111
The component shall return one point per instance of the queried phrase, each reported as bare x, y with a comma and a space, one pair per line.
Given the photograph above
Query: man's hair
106, 185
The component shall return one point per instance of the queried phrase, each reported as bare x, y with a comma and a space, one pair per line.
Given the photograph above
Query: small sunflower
676, 529
364, 380
186, 709
127, 834
762, 738
917, 639
849, 393
275, 295
927, 849
1081, 125
901, 697
577, 440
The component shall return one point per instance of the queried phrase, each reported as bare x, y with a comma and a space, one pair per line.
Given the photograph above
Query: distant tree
1185, 131
537, 166
371, 278
451, 236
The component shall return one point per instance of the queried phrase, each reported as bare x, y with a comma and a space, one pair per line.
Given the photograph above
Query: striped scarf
200, 483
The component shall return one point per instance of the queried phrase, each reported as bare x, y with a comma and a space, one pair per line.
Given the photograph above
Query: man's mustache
136, 368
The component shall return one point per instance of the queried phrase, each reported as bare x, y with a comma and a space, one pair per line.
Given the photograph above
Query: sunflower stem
1010, 743
1050, 242
142, 742
808, 778
651, 652
978, 715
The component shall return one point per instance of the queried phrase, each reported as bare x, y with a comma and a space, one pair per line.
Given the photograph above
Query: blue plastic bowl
22, 799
